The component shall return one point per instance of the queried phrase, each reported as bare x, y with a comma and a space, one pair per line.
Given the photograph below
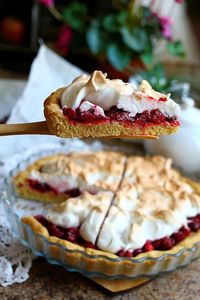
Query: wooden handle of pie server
24, 128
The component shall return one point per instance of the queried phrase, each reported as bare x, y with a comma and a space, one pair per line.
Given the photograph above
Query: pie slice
76, 220
58, 177
95, 106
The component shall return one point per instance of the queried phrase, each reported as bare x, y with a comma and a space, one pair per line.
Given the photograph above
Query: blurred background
120, 36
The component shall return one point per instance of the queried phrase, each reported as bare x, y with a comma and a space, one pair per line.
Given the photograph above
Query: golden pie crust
108, 267
59, 124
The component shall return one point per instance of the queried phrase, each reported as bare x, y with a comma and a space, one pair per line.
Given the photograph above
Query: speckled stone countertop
51, 282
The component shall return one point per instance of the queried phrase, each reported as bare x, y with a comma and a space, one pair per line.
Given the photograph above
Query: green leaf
95, 38
135, 39
118, 56
122, 17
158, 70
147, 58
146, 12
155, 76
176, 48
74, 14
110, 23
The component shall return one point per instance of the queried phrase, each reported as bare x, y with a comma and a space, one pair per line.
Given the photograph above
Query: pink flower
179, 1
166, 27
47, 3
63, 40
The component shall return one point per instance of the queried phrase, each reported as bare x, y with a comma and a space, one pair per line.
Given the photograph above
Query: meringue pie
95, 106
152, 210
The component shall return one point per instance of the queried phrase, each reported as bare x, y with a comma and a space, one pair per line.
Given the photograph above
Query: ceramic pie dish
95, 106
89, 261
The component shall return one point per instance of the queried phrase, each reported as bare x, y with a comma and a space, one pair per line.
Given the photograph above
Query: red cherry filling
42, 220
194, 226
137, 252
166, 243
185, 231
73, 192
162, 99
89, 244
148, 246
118, 114
178, 236
83, 117
55, 230
72, 235
70, 113
121, 253
153, 116
39, 186
89, 116
44, 188
146, 118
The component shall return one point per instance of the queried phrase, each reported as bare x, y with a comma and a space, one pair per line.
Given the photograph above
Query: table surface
52, 282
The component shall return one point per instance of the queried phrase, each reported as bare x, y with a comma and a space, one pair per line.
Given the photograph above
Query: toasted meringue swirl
105, 93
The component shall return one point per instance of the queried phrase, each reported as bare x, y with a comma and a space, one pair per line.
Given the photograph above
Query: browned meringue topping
146, 88
160, 189
153, 201
85, 200
103, 169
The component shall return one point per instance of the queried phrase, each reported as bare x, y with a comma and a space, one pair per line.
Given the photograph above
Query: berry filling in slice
146, 118
44, 188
